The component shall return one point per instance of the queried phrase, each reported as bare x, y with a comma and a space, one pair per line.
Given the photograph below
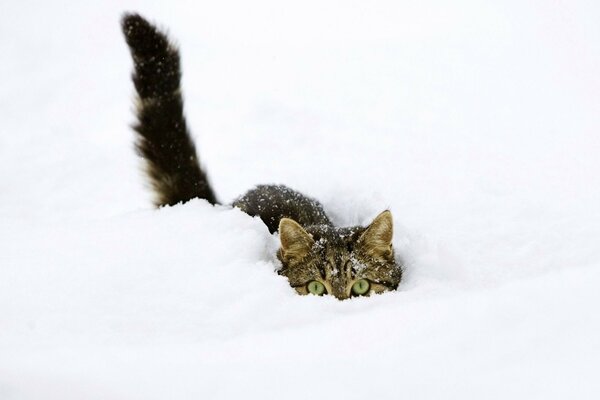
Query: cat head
342, 262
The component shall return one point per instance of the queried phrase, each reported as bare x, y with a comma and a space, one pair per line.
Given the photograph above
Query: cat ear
376, 241
295, 241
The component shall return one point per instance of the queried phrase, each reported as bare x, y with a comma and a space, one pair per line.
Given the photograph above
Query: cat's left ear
296, 243
376, 241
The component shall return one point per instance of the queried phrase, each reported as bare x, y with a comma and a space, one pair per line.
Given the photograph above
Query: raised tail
163, 139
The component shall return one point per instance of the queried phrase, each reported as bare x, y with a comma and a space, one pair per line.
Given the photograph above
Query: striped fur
163, 139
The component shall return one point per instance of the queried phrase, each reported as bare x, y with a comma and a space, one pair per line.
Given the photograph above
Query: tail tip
135, 27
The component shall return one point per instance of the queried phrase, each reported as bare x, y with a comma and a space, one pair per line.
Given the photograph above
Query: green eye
361, 287
316, 287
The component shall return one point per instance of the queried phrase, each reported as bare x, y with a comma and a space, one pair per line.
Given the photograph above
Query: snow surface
476, 122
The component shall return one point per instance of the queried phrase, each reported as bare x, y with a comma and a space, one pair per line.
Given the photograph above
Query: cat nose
341, 295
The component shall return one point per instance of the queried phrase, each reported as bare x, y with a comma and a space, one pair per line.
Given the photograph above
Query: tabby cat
316, 256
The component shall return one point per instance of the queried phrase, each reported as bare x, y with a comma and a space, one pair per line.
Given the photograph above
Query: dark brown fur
163, 139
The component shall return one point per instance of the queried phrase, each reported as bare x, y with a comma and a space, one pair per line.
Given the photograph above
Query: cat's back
274, 202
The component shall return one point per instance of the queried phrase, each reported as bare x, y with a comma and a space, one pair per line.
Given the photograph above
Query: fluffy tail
163, 139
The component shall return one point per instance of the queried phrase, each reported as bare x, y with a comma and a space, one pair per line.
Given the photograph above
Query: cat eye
361, 287
316, 287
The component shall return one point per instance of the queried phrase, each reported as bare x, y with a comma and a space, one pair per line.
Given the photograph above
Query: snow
475, 122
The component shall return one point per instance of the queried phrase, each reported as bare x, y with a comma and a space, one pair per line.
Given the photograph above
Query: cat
316, 257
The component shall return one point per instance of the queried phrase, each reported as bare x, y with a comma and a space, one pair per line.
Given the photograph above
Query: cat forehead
331, 237
335, 245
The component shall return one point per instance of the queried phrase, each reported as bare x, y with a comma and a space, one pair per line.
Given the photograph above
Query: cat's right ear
376, 240
295, 241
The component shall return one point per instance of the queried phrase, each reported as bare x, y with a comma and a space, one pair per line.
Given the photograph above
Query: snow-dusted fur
163, 138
